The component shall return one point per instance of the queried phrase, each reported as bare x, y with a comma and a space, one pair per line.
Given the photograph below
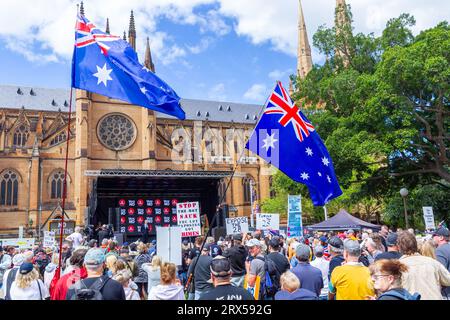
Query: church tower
148, 62
132, 32
304, 59
342, 24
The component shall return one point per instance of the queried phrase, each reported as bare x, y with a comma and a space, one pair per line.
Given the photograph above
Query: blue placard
295, 227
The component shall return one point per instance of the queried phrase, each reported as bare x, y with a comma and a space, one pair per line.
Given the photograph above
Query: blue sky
226, 50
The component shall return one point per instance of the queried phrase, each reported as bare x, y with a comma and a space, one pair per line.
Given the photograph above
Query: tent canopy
342, 221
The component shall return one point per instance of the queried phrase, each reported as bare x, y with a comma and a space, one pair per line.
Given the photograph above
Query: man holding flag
286, 139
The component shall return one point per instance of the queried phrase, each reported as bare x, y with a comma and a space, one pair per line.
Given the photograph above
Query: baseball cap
26, 267
253, 243
237, 237
220, 267
391, 239
94, 256
318, 249
323, 239
350, 231
444, 232
336, 242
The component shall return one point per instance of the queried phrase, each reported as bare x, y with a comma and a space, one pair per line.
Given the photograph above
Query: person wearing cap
425, 275
310, 277
11, 275
324, 266
351, 281
351, 234
221, 272
202, 274
255, 267
392, 251
441, 238
27, 285
336, 249
94, 262
237, 255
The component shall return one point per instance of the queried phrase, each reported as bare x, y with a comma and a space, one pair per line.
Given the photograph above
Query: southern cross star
325, 161
143, 90
269, 141
102, 74
305, 176
328, 178
309, 152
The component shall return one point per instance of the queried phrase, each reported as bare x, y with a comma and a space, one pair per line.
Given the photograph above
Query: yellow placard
253, 290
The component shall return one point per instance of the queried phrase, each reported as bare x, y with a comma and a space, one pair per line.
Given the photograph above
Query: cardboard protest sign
188, 218
266, 221
236, 225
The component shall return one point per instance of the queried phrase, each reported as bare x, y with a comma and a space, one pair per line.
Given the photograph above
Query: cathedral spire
148, 63
132, 32
304, 59
82, 9
124, 35
107, 26
343, 25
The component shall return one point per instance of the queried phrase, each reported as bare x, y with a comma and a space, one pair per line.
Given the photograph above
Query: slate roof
45, 99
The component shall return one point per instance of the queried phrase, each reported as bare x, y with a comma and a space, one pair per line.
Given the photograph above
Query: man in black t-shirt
94, 261
280, 261
223, 289
392, 252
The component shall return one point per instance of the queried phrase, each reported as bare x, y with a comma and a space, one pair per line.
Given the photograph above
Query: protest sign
49, 239
168, 244
428, 216
268, 221
236, 225
21, 243
188, 218
294, 228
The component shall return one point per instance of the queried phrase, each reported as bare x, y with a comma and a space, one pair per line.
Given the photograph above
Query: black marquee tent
342, 221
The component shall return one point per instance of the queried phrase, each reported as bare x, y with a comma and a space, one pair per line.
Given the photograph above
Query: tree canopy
381, 106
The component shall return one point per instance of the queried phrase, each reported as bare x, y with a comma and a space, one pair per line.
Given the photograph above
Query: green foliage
381, 106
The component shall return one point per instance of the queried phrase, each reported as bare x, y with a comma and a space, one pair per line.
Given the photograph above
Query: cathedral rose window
116, 131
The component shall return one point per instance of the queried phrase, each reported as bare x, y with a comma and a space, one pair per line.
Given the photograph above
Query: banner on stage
236, 225
21, 243
294, 227
268, 221
428, 216
49, 239
188, 218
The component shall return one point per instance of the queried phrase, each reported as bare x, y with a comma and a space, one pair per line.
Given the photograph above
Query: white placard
428, 216
168, 244
268, 221
236, 225
188, 218
49, 239
24, 243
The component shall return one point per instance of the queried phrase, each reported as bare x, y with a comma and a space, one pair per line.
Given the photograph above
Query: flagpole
325, 212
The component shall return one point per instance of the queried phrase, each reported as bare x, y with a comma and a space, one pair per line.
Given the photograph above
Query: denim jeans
199, 294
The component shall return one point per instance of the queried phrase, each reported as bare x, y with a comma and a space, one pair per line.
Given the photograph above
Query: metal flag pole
325, 212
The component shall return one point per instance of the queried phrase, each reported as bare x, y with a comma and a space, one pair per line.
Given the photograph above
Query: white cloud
256, 93
217, 92
202, 46
279, 75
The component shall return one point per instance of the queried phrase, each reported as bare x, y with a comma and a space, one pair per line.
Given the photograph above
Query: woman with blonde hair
124, 276
110, 262
153, 270
290, 289
27, 285
170, 287
50, 270
387, 278
428, 249
141, 280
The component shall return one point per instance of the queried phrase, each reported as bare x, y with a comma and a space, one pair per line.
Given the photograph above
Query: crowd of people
350, 265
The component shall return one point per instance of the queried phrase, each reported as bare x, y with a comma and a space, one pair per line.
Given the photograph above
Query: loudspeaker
218, 232
110, 215
119, 238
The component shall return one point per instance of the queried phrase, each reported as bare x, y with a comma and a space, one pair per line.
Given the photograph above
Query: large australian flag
107, 65
286, 139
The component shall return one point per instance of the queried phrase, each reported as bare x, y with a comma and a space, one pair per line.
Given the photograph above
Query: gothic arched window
59, 138
56, 184
9, 188
248, 183
20, 136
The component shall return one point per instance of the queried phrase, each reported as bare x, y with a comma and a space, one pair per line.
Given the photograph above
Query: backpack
272, 277
405, 295
91, 293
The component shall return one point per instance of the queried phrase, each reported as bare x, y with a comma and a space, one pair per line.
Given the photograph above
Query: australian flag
107, 65
286, 139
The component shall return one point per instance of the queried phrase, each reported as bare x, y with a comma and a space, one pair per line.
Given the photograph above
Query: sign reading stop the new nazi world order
188, 218
236, 225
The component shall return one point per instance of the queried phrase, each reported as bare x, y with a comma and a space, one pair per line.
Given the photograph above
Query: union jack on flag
296, 150
108, 65
281, 103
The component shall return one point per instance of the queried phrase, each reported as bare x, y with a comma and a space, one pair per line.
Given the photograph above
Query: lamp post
404, 193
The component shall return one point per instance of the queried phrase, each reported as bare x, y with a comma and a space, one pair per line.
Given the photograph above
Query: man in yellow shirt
352, 280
